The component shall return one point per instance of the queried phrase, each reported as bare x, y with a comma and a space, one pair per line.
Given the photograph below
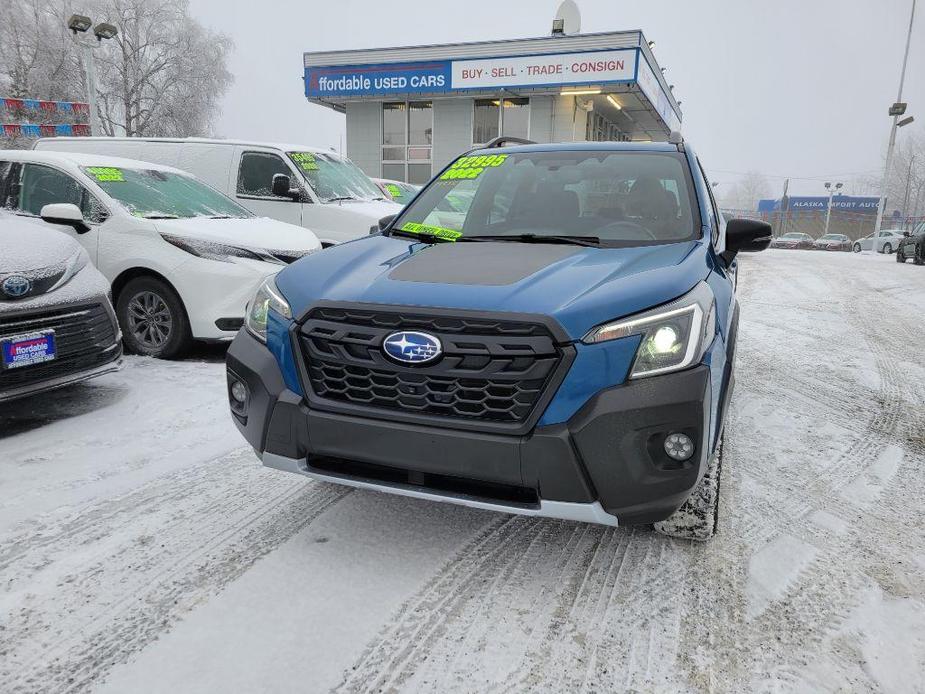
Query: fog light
679, 447
239, 392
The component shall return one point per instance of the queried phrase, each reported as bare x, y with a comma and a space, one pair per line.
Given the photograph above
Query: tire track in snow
147, 558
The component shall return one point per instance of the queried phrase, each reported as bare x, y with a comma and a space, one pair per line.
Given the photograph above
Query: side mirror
282, 188
383, 224
746, 235
65, 214
907, 234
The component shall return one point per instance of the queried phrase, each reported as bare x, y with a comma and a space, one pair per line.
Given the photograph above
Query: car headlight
72, 266
212, 250
674, 336
267, 298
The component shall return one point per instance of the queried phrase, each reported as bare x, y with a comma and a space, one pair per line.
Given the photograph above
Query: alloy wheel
149, 320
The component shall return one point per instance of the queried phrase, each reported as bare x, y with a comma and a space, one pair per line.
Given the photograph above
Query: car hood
27, 246
253, 232
579, 286
332, 220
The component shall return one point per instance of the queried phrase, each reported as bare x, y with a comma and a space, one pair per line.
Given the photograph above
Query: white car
888, 240
297, 184
182, 258
399, 191
57, 326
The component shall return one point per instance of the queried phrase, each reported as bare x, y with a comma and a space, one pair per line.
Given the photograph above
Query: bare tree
164, 73
906, 182
745, 194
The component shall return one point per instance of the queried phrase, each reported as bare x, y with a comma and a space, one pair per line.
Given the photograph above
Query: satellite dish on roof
568, 19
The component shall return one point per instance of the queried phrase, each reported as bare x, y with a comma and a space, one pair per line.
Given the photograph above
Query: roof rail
504, 139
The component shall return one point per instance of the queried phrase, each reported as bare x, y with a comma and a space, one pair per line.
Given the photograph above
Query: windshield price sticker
105, 173
393, 189
304, 160
472, 167
426, 229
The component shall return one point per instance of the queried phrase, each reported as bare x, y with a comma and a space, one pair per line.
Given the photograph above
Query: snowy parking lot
144, 549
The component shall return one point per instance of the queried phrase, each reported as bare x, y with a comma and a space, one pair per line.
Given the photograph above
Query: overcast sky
788, 88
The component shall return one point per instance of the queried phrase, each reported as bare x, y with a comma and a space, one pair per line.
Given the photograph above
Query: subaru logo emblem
411, 347
16, 286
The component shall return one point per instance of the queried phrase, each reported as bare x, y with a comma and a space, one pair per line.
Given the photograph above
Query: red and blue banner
45, 106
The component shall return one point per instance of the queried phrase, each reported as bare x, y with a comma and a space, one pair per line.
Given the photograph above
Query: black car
912, 246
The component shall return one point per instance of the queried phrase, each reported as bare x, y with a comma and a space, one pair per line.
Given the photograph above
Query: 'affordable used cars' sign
592, 67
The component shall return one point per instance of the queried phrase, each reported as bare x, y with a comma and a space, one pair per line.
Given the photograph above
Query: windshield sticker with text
471, 167
105, 174
304, 160
427, 230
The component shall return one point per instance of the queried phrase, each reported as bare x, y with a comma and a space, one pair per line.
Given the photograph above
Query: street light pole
892, 145
90, 82
79, 24
828, 209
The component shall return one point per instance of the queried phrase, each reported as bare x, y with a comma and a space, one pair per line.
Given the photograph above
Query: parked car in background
887, 241
551, 353
57, 325
182, 258
912, 246
793, 239
306, 186
832, 242
399, 191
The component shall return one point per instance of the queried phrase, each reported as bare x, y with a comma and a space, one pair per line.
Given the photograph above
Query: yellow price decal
105, 173
471, 167
393, 189
304, 160
439, 232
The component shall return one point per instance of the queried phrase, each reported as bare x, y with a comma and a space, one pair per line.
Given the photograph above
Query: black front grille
492, 369
85, 337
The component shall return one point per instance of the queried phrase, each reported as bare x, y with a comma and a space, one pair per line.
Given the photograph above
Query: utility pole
896, 111
908, 187
828, 209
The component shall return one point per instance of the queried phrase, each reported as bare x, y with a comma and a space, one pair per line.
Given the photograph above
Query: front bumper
604, 465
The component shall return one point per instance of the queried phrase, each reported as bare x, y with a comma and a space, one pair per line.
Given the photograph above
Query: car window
153, 193
255, 174
623, 198
43, 185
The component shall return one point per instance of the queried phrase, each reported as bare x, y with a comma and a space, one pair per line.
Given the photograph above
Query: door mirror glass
65, 214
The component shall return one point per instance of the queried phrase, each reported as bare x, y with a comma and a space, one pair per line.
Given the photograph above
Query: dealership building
411, 110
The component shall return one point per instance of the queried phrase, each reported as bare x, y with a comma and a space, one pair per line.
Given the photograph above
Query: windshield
614, 198
156, 194
333, 178
832, 237
793, 236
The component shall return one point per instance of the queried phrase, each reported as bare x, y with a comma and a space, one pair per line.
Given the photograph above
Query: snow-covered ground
143, 548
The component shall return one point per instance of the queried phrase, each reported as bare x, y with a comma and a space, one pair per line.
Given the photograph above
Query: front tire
152, 318
856, 248
698, 517
900, 258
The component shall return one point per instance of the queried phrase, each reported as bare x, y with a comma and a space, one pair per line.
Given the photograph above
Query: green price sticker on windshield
394, 190
304, 160
105, 174
427, 230
471, 167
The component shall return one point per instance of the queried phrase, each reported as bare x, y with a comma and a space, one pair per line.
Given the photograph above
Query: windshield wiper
159, 215
219, 216
340, 198
591, 241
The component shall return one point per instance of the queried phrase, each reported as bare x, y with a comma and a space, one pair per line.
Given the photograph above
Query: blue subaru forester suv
546, 330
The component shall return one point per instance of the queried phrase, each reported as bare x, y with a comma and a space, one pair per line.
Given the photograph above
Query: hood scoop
480, 263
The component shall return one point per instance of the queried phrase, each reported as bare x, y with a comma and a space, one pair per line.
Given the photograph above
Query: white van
315, 188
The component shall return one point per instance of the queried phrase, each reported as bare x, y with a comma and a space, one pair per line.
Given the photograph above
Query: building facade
411, 110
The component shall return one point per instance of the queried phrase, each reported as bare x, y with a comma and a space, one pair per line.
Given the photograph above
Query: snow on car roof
287, 147
79, 159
